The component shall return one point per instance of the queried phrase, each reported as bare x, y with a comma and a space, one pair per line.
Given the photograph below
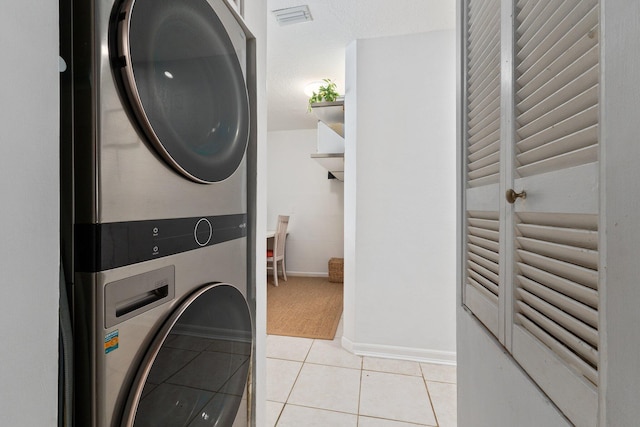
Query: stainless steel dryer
160, 119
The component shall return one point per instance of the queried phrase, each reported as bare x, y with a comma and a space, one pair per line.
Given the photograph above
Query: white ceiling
298, 54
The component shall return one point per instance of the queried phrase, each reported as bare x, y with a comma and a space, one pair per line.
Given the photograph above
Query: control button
155, 231
203, 232
156, 250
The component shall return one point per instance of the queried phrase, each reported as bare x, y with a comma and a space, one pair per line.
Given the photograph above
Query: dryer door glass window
196, 371
185, 85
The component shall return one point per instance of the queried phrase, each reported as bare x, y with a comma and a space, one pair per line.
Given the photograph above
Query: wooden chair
276, 254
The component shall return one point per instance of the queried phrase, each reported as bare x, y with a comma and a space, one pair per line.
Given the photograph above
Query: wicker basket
336, 270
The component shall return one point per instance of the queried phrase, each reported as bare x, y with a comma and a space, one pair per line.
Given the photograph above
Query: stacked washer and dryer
163, 318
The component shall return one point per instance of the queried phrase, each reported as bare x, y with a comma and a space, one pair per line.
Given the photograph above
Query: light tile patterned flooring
318, 383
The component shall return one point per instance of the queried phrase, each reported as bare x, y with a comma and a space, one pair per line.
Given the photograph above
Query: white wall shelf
331, 113
330, 146
333, 162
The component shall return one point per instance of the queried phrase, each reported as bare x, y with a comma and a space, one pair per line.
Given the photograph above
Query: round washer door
185, 85
197, 368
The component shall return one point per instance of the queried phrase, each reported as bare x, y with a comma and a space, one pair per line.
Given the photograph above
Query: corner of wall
399, 221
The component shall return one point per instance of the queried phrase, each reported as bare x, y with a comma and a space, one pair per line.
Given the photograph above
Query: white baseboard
307, 274
403, 353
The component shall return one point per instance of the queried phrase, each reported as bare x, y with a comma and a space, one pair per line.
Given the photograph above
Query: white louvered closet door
555, 314
482, 145
531, 125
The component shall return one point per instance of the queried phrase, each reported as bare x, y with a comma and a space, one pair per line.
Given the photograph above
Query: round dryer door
185, 84
196, 370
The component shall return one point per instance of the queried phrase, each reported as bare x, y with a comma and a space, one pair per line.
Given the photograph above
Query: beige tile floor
318, 383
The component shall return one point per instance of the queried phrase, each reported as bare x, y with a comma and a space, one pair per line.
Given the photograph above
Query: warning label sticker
111, 342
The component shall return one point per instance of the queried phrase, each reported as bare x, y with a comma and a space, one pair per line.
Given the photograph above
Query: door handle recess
512, 196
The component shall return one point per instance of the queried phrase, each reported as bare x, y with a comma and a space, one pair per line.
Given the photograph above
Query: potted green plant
326, 93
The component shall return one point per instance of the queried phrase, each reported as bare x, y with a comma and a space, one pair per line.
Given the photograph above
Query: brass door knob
512, 196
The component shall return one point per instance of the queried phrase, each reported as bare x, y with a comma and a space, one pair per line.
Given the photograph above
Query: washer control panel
110, 245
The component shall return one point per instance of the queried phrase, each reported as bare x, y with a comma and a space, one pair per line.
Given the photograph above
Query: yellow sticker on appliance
111, 341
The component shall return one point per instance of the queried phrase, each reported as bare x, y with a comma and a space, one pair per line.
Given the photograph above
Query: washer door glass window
196, 371
185, 84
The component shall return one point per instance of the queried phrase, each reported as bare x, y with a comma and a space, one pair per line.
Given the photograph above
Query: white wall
29, 214
298, 186
400, 197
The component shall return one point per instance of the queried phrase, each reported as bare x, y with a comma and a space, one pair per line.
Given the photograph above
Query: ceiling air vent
293, 15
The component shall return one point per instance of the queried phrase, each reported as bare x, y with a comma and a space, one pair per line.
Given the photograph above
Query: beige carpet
308, 307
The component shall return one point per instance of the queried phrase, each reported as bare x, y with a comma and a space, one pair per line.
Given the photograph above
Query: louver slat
573, 106
479, 10
488, 224
484, 243
579, 237
485, 107
567, 287
482, 72
584, 119
484, 272
479, 33
488, 234
483, 92
483, 266
564, 68
485, 263
559, 349
485, 122
489, 160
528, 82
487, 289
485, 152
524, 7
485, 253
572, 324
485, 139
556, 285
560, 39
553, 101
481, 66
574, 158
482, 281
570, 305
571, 254
540, 19
529, 12
574, 343
557, 86
490, 170
534, 93
568, 271
479, 13
580, 121
533, 35
583, 138
490, 120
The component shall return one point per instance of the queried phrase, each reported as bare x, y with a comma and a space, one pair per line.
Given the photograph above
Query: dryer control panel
105, 246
